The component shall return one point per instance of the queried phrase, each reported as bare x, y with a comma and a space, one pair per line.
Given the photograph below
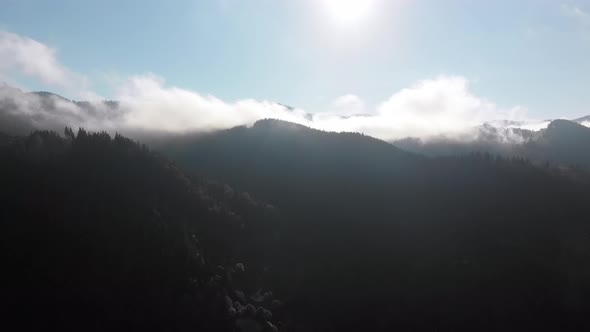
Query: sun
348, 12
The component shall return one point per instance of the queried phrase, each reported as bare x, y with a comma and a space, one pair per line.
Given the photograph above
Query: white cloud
577, 13
444, 105
533, 125
440, 106
148, 104
348, 105
21, 112
36, 59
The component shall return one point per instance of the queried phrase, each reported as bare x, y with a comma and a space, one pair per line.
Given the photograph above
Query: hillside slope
563, 143
101, 234
385, 239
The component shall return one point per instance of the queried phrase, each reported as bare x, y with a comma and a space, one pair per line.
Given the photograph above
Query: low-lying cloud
428, 108
347, 105
434, 107
149, 104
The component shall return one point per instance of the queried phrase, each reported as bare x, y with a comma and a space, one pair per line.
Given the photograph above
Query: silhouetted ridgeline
563, 143
100, 234
379, 238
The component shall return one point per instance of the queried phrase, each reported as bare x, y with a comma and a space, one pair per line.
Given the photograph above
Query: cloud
149, 104
35, 59
441, 106
429, 108
21, 112
576, 13
348, 105
533, 125
144, 104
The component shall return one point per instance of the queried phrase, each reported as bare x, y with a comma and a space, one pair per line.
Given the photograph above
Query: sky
513, 58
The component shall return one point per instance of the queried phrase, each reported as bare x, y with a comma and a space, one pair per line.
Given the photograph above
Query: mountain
100, 234
22, 112
345, 232
486, 138
582, 119
563, 143
377, 238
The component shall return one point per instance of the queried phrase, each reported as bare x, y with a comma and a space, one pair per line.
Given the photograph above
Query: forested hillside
101, 234
563, 143
381, 238
295, 166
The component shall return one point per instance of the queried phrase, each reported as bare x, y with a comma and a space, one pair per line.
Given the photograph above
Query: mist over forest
329, 165
282, 227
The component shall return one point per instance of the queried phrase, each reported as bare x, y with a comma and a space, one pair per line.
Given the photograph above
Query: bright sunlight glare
349, 11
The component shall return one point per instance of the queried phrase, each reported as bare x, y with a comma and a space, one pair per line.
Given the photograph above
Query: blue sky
529, 53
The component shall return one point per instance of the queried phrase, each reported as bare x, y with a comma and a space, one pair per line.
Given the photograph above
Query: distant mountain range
560, 142
21, 112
